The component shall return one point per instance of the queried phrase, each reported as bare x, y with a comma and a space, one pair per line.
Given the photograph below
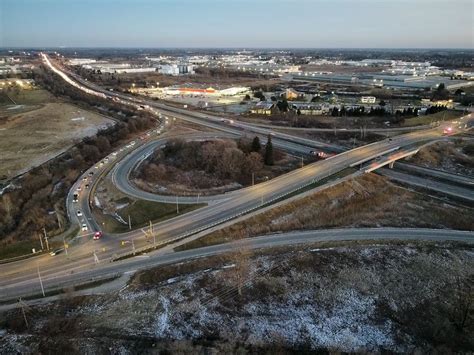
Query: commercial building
176, 69
368, 99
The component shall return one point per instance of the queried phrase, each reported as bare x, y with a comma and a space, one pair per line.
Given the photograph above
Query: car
79, 188
75, 197
84, 227
448, 130
91, 173
87, 186
97, 167
97, 235
79, 213
84, 178
55, 252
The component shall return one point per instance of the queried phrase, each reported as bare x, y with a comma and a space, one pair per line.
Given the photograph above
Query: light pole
41, 281
46, 238
177, 205
65, 245
41, 241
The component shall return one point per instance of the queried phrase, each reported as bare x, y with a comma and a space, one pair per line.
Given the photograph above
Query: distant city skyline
237, 24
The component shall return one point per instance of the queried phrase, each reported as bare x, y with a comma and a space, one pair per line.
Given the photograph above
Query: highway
462, 180
59, 276
382, 131
80, 256
458, 192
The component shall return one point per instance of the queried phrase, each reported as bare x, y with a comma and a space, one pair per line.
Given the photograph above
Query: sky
238, 23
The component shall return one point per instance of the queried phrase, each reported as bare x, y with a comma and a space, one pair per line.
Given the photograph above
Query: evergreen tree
269, 151
256, 147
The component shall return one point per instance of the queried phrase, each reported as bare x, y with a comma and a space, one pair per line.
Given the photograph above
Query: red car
448, 130
97, 235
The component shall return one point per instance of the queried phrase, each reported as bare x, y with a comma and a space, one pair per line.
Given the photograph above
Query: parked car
79, 213
84, 227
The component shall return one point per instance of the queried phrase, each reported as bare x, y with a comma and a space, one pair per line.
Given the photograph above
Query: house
368, 99
311, 109
262, 108
291, 94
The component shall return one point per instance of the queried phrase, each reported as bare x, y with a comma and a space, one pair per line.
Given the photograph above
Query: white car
84, 227
79, 213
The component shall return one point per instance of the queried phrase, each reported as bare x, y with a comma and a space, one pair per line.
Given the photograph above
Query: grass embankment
141, 213
427, 119
23, 248
367, 201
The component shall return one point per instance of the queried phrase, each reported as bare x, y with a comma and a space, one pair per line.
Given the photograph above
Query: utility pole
59, 219
133, 246
177, 205
41, 241
41, 281
65, 245
46, 238
22, 305
302, 161
253, 178
199, 194
129, 223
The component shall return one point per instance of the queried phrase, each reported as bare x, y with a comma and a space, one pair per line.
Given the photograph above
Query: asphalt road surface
62, 274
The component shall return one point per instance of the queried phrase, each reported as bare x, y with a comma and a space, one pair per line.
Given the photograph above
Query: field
429, 119
456, 156
39, 128
361, 202
373, 298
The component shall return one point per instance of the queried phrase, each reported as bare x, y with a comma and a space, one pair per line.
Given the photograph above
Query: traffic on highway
91, 252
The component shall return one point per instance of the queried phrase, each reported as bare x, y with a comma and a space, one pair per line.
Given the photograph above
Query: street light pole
65, 246
177, 205
41, 241
46, 238
41, 281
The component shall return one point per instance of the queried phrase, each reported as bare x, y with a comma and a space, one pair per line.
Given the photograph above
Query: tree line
41, 193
